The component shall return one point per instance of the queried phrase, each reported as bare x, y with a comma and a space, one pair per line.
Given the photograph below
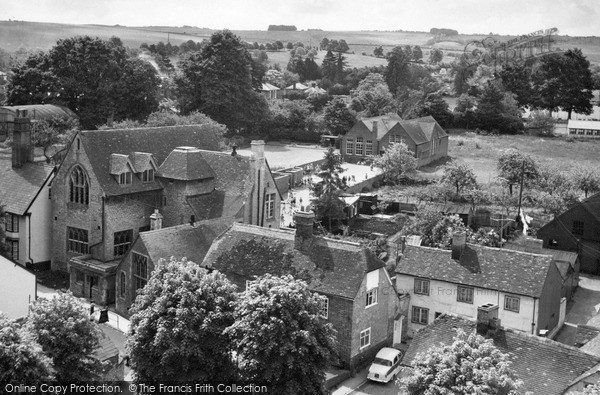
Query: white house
18, 288
25, 196
590, 129
521, 289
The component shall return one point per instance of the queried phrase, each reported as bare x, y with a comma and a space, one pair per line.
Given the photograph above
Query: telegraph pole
521, 191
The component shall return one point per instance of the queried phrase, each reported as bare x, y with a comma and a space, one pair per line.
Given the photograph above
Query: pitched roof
545, 366
184, 241
268, 87
233, 184
143, 161
18, 187
330, 266
106, 348
297, 86
44, 111
119, 164
484, 267
185, 163
420, 130
159, 141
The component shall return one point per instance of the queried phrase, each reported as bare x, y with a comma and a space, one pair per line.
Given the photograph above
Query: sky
511, 17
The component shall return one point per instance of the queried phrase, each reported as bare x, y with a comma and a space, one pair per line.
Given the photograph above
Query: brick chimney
258, 150
375, 127
459, 240
304, 229
22, 149
156, 220
487, 319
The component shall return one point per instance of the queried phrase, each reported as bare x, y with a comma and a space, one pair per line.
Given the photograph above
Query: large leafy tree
459, 175
470, 365
63, 329
21, 357
497, 110
564, 81
280, 338
397, 74
372, 97
338, 118
512, 165
222, 81
178, 323
586, 180
516, 78
93, 77
397, 163
326, 192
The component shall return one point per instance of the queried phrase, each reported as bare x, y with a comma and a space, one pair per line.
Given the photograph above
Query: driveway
582, 310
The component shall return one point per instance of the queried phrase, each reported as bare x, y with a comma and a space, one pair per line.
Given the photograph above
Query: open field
42, 36
555, 152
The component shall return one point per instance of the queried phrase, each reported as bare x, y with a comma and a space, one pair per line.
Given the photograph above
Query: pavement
582, 310
352, 384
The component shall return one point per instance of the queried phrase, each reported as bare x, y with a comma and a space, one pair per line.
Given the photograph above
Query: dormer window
125, 178
148, 175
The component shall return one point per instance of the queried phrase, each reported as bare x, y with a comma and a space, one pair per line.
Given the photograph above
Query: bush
460, 143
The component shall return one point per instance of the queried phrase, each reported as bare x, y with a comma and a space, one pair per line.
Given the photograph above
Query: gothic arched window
79, 186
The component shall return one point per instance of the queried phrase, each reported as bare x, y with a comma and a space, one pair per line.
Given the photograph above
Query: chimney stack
156, 220
304, 229
375, 127
22, 149
234, 150
487, 319
258, 149
459, 240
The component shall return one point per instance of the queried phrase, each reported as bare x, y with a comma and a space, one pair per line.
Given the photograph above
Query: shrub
460, 143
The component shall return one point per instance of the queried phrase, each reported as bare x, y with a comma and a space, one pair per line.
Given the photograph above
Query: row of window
463, 294
127, 177
584, 132
140, 273
420, 315
78, 242
352, 149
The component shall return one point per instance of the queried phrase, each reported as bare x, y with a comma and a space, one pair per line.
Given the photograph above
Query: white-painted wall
41, 226
17, 289
442, 298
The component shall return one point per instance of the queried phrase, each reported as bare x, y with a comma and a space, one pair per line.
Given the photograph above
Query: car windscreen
381, 361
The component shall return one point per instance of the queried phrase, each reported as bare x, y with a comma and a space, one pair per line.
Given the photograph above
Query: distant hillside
42, 36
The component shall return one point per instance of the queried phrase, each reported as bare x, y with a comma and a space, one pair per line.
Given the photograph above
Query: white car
386, 365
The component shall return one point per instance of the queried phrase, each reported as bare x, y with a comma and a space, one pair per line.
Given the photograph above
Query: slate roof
484, 267
185, 163
545, 366
142, 161
419, 130
329, 266
18, 187
233, 185
159, 141
563, 259
268, 87
118, 163
183, 241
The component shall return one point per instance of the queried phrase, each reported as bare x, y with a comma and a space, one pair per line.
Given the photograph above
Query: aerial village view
310, 197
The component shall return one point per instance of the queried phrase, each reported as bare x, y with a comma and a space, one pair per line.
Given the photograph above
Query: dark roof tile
329, 266
545, 366
185, 163
18, 187
485, 267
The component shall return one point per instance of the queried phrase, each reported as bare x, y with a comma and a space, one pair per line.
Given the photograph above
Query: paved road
374, 388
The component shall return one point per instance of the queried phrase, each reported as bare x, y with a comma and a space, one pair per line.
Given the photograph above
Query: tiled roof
484, 267
18, 187
186, 163
330, 266
545, 366
159, 141
419, 130
142, 161
384, 124
118, 164
233, 185
106, 348
184, 241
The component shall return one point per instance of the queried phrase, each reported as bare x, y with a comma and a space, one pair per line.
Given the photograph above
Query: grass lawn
555, 152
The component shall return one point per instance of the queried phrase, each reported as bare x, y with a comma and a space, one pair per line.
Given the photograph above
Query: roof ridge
542, 340
138, 128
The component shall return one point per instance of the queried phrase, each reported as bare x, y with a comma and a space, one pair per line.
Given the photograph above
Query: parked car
386, 365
